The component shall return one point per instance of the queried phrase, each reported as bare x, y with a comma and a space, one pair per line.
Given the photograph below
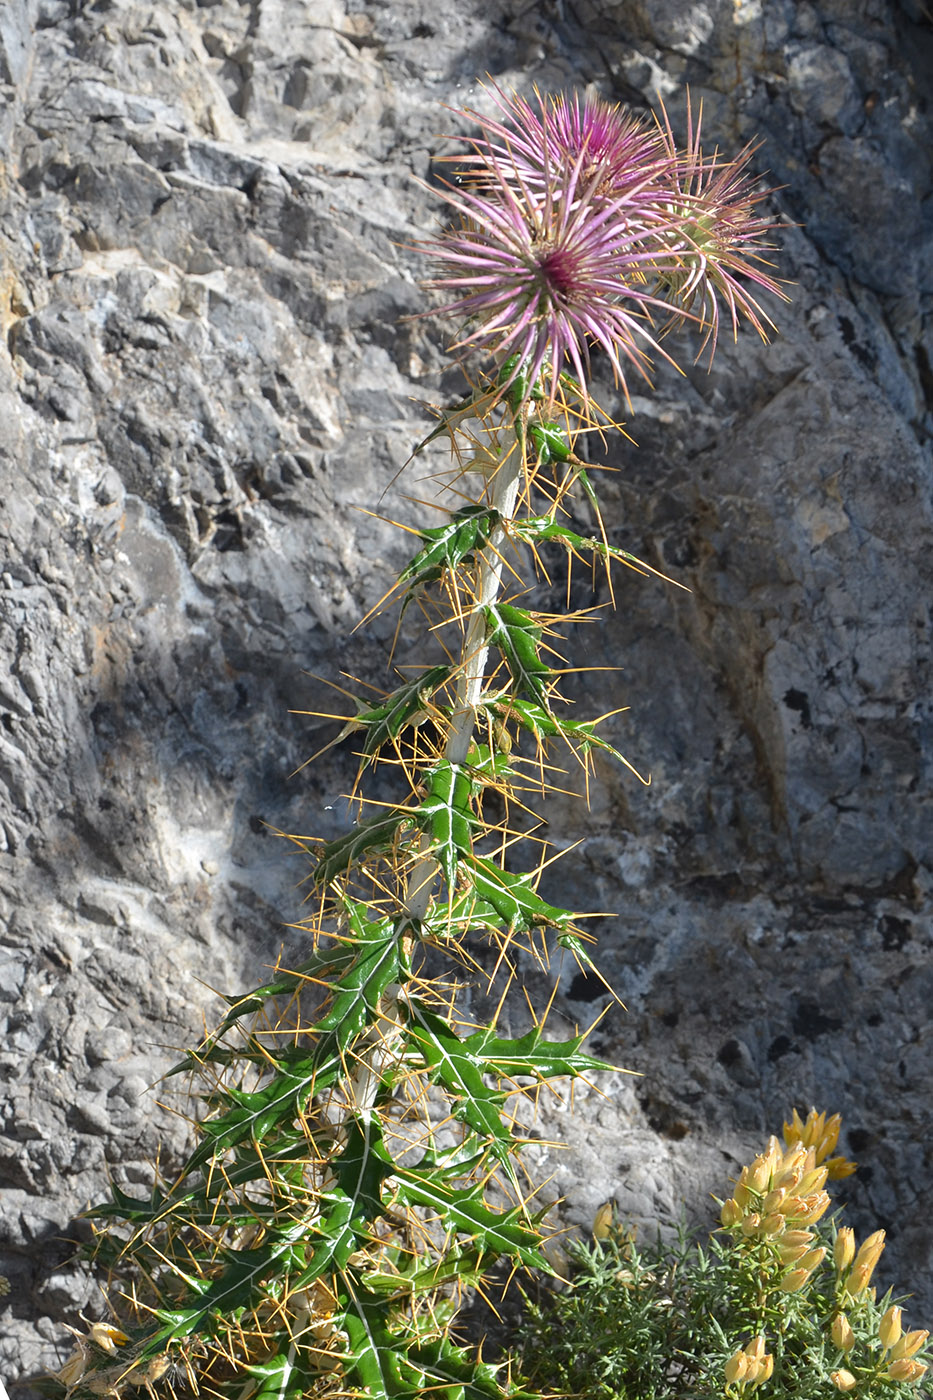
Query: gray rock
208, 375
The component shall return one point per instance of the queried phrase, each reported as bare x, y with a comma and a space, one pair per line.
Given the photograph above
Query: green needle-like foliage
777, 1301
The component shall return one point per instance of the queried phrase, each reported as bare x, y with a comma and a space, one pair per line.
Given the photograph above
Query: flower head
545, 271
822, 1134
581, 227
620, 152
718, 236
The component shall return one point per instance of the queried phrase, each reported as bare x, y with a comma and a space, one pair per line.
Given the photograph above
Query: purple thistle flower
717, 238
579, 224
621, 151
547, 261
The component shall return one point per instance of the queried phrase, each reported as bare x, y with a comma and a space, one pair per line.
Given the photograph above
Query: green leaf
464, 913
374, 1352
463, 1210
454, 1065
447, 546
353, 1005
536, 720
318, 967
340, 1231
456, 1374
531, 1056
513, 899
475, 405
536, 528
550, 443
375, 836
520, 388
289, 1375
407, 705
445, 815
458, 1263
518, 637
238, 1286
362, 1166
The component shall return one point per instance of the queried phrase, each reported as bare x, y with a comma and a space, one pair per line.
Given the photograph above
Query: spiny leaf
406, 705
457, 1374
550, 443
375, 1358
518, 637
513, 899
535, 528
447, 546
463, 1264
319, 966
216, 1190
290, 1374
536, 720
363, 1165
454, 1065
237, 1287
445, 815
463, 914
475, 405
531, 1055
374, 836
463, 1210
354, 1005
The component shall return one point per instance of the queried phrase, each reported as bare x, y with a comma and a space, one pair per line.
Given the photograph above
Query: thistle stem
367, 1074
474, 656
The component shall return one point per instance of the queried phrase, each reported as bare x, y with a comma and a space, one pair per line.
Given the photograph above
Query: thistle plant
358, 1142
779, 1303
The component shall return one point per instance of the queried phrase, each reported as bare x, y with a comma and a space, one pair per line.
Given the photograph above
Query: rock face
206, 212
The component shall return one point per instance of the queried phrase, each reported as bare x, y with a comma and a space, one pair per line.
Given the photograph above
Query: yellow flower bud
755, 1348
844, 1248
889, 1328
813, 1259
742, 1195
736, 1367
789, 1177
812, 1181
792, 1207
730, 1214
870, 1251
906, 1370
772, 1201
841, 1333
794, 1281
602, 1221
815, 1207
773, 1224
865, 1262
794, 1130
829, 1136
843, 1380
857, 1281
790, 1253
822, 1134
795, 1237
909, 1344
765, 1369
759, 1174
750, 1224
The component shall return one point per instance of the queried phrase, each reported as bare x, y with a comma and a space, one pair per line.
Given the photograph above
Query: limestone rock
207, 377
